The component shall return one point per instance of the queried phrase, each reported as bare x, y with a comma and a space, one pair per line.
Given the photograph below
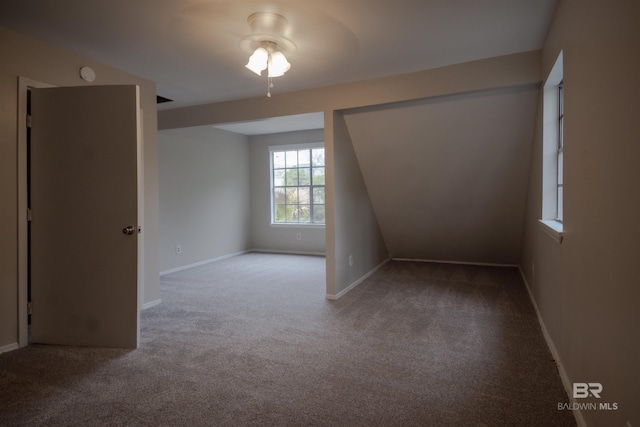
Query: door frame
23, 238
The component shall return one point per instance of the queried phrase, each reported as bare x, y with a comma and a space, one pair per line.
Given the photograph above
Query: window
559, 181
553, 152
297, 184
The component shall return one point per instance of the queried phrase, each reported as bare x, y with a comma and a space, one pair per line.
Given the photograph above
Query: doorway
24, 259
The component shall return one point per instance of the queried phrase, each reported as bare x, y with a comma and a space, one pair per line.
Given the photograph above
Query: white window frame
553, 152
293, 147
560, 155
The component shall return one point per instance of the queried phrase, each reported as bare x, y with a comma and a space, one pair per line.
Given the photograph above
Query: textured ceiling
191, 48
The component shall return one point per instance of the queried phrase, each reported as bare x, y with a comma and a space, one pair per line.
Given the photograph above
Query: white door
84, 204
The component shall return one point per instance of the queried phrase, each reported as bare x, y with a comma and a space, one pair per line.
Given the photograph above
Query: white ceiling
191, 48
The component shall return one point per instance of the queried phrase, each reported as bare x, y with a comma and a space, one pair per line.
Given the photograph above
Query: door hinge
29, 120
28, 214
29, 308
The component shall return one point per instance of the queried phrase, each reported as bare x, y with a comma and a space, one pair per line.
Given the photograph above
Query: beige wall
22, 56
587, 288
264, 236
204, 195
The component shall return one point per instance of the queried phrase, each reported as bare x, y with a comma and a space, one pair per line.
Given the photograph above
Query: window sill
295, 225
553, 228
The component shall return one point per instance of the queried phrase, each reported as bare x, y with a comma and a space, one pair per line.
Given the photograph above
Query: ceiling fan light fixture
267, 45
258, 60
278, 64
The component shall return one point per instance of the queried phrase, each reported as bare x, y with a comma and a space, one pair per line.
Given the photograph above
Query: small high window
553, 151
298, 184
559, 154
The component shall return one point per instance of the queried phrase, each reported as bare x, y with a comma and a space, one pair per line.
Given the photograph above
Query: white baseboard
9, 347
199, 263
278, 251
566, 382
357, 282
487, 264
151, 304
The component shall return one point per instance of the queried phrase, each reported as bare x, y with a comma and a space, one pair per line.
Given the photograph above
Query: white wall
587, 288
38, 61
264, 236
204, 195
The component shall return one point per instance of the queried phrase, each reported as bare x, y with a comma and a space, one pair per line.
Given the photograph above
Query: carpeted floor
251, 340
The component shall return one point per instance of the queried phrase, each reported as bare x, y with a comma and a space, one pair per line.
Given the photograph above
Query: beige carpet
251, 340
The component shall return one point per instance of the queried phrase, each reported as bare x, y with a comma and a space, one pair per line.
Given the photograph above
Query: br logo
584, 390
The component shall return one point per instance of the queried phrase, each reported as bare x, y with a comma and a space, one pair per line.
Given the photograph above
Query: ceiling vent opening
161, 99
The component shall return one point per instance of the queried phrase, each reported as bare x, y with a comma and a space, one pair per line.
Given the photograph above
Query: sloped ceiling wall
447, 176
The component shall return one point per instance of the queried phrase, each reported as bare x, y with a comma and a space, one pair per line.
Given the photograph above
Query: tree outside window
298, 186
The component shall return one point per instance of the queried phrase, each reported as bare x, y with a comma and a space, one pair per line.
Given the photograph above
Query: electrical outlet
299, 236
350, 260
178, 249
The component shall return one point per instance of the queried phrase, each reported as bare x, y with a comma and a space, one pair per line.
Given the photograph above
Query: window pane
292, 159
304, 213
278, 196
304, 196
318, 176
304, 158
278, 177
318, 196
291, 177
292, 196
560, 133
560, 205
280, 213
278, 159
560, 167
304, 176
318, 214
292, 214
317, 154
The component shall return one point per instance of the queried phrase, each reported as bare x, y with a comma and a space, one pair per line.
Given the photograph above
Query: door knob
129, 230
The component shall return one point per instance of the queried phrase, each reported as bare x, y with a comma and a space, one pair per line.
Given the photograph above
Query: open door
84, 216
